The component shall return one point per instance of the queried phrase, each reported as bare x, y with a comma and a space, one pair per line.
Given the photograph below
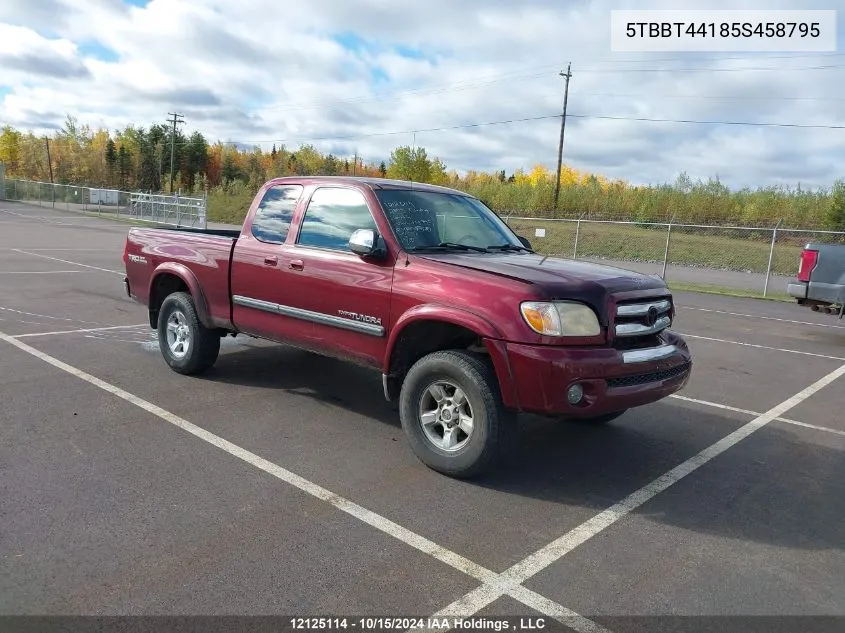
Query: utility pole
177, 118
49, 160
566, 75
355, 164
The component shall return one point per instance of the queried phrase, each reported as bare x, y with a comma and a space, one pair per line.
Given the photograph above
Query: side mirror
364, 242
525, 242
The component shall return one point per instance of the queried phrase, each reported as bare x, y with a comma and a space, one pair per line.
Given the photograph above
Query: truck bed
230, 233
821, 278
202, 256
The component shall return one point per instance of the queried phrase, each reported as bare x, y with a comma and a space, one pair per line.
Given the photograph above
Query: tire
472, 453
203, 344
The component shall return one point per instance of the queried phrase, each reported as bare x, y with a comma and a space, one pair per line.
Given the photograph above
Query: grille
637, 324
642, 379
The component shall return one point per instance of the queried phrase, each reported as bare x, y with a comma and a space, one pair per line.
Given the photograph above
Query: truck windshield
425, 220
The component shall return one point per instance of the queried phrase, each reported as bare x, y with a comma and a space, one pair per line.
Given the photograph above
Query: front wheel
452, 413
187, 345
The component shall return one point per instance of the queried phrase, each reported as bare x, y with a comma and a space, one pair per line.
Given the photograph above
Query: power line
541, 118
711, 97
749, 123
416, 131
709, 70
515, 75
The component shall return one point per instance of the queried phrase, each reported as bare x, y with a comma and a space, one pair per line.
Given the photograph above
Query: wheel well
421, 338
165, 284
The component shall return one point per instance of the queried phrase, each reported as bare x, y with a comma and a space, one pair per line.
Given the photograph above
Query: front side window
275, 213
332, 216
423, 219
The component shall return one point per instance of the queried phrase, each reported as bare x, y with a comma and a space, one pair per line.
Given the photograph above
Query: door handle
297, 264
271, 260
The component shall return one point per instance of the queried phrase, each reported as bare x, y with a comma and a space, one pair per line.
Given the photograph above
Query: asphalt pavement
280, 482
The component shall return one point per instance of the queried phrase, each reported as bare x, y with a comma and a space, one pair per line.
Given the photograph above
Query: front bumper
612, 380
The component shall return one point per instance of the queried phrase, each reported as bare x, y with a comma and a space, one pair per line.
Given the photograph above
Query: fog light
575, 393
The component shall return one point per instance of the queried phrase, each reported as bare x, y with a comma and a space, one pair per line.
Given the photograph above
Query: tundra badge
359, 317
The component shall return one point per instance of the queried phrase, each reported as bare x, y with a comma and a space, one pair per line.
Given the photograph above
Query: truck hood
555, 277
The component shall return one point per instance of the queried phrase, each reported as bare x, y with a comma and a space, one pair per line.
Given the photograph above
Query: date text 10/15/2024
411, 623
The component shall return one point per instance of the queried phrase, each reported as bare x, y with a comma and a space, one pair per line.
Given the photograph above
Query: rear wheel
452, 413
187, 346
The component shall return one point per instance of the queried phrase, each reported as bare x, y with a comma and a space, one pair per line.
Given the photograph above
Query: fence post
771, 256
666, 250
577, 235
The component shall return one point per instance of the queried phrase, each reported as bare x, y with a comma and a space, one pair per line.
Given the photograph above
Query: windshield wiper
509, 247
455, 245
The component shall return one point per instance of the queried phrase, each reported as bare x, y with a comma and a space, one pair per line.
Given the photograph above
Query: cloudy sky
361, 75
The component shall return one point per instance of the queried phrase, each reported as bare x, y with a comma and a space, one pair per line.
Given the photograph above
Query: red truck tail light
809, 259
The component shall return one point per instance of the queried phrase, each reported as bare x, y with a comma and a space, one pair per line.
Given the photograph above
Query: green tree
10, 149
124, 166
111, 160
835, 218
330, 166
194, 160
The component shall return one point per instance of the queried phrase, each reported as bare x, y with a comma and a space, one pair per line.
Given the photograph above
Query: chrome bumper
797, 290
650, 354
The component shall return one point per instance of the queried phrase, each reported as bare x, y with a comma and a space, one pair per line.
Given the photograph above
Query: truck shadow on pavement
781, 486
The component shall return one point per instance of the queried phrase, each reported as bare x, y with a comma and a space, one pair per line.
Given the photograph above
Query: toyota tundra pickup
821, 279
467, 325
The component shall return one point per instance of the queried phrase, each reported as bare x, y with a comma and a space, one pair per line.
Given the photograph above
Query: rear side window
333, 215
275, 213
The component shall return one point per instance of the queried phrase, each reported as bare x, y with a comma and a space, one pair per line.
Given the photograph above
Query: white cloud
254, 71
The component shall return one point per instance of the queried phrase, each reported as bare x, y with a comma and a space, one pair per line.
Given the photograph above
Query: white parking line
94, 329
487, 577
46, 316
101, 250
767, 318
533, 564
718, 405
64, 261
38, 272
774, 349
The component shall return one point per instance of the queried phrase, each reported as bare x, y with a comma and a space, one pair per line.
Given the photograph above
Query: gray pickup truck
821, 279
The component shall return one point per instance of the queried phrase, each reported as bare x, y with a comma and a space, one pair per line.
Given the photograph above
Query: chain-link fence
759, 260
173, 210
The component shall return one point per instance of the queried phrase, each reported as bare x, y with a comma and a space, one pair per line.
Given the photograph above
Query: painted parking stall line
494, 581
760, 316
726, 407
533, 564
754, 345
65, 261
83, 331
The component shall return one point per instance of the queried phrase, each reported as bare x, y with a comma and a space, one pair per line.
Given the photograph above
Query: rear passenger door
258, 265
345, 297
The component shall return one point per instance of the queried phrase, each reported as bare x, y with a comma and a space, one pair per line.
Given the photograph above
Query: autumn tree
413, 164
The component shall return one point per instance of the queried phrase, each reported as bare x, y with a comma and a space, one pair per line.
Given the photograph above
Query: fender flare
490, 335
186, 275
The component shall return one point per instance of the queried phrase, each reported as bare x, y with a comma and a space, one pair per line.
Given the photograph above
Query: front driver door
345, 297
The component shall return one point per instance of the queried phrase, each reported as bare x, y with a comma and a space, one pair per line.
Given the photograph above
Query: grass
726, 249
728, 292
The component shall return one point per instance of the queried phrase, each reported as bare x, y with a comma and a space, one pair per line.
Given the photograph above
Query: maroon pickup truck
465, 322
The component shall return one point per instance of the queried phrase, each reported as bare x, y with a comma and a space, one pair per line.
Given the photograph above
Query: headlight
560, 318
